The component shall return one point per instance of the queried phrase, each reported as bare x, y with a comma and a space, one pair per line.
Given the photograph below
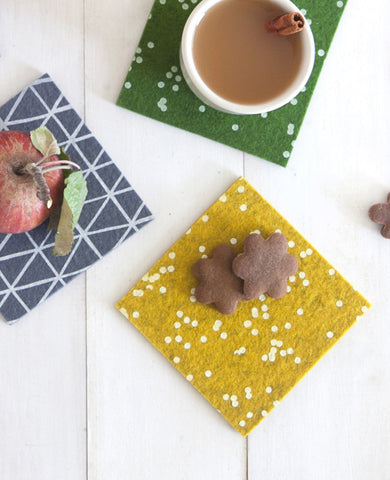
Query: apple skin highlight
20, 208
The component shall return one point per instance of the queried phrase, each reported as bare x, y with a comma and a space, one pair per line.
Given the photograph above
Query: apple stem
59, 162
43, 191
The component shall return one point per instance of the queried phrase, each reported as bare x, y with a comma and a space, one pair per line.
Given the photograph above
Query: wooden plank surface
82, 394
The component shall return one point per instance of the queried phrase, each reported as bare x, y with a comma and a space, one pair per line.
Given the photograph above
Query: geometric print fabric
113, 211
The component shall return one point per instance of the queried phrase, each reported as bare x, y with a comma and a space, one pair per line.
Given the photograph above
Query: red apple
20, 208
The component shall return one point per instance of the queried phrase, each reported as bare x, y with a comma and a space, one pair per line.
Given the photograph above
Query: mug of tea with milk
246, 56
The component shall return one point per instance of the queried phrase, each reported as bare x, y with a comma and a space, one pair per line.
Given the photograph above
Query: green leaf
44, 141
75, 193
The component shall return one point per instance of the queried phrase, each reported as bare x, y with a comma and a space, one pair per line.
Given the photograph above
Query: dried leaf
64, 236
44, 141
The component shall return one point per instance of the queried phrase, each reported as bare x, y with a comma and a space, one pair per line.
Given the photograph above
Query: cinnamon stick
286, 24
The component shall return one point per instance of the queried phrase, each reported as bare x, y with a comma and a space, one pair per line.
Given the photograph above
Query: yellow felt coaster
246, 362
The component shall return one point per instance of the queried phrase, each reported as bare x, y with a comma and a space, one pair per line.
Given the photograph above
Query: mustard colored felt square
246, 362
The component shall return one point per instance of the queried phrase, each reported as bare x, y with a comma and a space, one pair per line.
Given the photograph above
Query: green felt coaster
154, 85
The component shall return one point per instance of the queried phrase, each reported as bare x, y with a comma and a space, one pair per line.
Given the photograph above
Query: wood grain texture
83, 396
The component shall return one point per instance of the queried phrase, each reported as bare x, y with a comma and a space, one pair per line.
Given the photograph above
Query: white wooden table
82, 394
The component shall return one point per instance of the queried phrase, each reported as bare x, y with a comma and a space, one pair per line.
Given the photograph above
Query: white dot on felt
306, 283
187, 346
266, 316
172, 255
268, 390
241, 189
264, 115
274, 328
262, 298
202, 248
139, 59
179, 314
290, 351
187, 320
233, 241
225, 397
292, 278
163, 290
184, 6
303, 11
255, 332
171, 268
264, 308
364, 309
288, 289
264, 413
135, 314
203, 339
264, 358
150, 45
178, 338
302, 254
297, 360
127, 85
177, 324
208, 373
192, 299
287, 326
235, 127
243, 207
242, 423
176, 360
330, 334
168, 340
188, 231
294, 101
283, 353
249, 415
163, 270
169, 75
301, 274
190, 378
178, 78
273, 342
255, 312
202, 108
248, 395
235, 404
205, 218
174, 68
276, 403
321, 52
194, 323
339, 303
300, 311
309, 251
223, 335
247, 324
233, 398
175, 88
124, 312
340, 4
332, 271
247, 389
223, 198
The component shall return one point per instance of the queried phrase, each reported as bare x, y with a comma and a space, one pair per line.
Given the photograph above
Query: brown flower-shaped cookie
218, 284
380, 213
265, 265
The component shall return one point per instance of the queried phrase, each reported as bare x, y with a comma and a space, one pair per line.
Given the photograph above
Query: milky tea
238, 58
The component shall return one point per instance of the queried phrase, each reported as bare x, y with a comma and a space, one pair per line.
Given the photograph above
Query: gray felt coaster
113, 211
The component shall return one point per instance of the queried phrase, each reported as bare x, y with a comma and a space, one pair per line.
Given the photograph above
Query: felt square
113, 211
154, 85
246, 362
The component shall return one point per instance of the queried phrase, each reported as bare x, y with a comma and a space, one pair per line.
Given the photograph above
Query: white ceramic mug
209, 97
